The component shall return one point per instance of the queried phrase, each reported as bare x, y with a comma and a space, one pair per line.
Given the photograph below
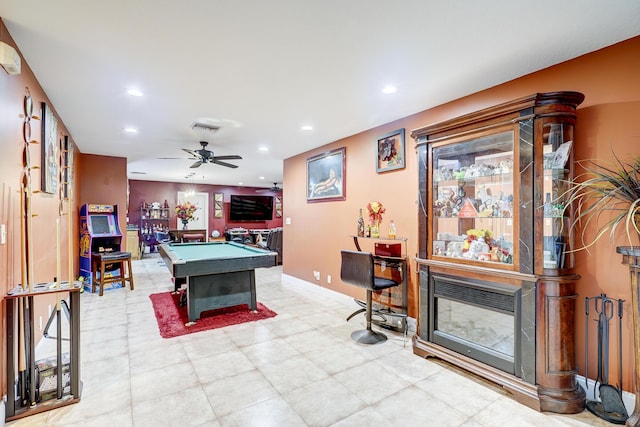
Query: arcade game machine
99, 233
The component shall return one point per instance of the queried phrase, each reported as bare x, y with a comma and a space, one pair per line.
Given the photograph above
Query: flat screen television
250, 208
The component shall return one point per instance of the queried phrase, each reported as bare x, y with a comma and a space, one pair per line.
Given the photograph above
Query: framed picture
218, 205
390, 151
326, 176
50, 156
67, 166
278, 201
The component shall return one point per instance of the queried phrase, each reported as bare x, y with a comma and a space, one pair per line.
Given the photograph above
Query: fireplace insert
478, 319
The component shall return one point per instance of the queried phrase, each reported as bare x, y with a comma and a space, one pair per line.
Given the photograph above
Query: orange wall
608, 118
103, 181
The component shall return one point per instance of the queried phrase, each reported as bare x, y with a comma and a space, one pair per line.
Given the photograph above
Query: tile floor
300, 368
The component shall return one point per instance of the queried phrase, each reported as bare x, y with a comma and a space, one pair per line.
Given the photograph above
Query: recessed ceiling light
130, 130
263, 148
240, 183
134, 92
261, 177
389, 89
307, 128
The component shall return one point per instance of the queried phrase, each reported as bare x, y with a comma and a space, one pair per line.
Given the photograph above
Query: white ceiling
262, 69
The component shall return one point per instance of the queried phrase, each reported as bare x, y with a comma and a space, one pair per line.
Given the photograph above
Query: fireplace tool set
610, 407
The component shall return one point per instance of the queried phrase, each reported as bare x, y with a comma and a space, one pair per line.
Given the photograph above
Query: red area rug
173, 319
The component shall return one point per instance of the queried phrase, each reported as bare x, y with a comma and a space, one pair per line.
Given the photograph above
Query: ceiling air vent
205, 127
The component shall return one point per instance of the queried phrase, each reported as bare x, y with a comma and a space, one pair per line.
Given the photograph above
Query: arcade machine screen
100, 225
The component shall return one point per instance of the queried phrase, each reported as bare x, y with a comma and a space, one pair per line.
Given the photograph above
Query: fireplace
478, 319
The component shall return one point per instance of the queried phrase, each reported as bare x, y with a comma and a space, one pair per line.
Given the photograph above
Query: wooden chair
357, 269
104, 262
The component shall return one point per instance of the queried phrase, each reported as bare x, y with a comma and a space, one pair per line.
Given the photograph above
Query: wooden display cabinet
497, 285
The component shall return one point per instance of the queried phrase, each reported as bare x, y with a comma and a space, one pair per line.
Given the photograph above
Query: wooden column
555, 346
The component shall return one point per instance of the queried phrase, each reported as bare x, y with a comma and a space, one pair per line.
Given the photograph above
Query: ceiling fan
206, 156
274, 189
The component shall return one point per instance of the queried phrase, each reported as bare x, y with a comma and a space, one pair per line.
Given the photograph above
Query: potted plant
606, 197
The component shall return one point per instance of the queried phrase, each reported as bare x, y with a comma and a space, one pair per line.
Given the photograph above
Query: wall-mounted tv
250, 208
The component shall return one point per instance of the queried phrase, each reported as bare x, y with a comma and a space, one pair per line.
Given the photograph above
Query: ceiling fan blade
196, 164
170, 158
191, 152
218, 162
231, 157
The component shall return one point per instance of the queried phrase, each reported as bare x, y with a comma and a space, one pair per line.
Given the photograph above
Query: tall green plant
605, 196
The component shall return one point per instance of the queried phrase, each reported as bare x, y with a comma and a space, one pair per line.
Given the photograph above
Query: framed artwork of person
326, 176
390, 151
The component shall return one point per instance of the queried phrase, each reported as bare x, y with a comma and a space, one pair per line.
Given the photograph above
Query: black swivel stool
103, 262
357, 269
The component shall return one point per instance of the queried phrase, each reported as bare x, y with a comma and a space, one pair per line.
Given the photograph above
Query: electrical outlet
328, 278
3, 234
40, 323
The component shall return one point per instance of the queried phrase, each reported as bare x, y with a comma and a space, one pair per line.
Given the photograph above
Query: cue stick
22, 361
30, 277
58, 317
29, 222
23, 239
70, 233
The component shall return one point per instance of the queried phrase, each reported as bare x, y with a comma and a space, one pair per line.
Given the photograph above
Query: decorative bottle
368, 231
392, 230
547, 205
360, 225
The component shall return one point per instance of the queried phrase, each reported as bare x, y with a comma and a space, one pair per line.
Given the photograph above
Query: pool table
217, 274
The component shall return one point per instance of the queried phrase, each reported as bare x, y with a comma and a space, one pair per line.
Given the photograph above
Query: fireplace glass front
476, 319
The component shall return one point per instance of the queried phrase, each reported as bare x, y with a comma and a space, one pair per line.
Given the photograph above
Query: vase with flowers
184, 212
375, 211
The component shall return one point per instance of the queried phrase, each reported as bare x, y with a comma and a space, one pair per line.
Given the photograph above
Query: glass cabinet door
557, 160
472, 197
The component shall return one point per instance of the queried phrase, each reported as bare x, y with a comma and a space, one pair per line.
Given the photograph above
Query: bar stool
110, 261
357, 268
192, 237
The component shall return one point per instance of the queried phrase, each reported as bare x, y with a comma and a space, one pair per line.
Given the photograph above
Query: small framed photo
326, 176
390, 151
561, 155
